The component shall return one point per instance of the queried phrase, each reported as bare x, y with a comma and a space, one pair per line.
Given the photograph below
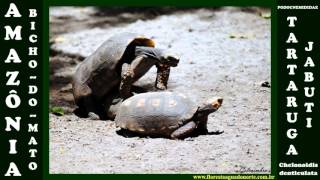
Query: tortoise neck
201, 116
150, 52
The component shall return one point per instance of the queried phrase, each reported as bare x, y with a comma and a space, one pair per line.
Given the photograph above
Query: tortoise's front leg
87, 105
94, 108
184, 130
126, 81
163, 73
202, 127
112, 103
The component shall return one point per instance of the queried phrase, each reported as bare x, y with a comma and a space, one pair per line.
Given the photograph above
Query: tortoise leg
95, 109
132, 72
112, 103
87, 106
126, 81
137, 89
81, 112
113, 108
141, 65
163, 73
184, 130
80, 91
202, 126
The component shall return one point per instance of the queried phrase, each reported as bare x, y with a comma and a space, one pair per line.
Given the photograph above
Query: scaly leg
95, 109
202, 126
126, 81
184, 130
163, 73
87, 105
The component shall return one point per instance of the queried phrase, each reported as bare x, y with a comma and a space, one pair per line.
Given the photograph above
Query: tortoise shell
155, 113
101, 71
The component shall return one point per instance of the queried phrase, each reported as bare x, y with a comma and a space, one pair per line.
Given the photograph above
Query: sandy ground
224, 52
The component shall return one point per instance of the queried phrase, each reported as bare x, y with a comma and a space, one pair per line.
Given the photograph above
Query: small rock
265, 84
133, 145
231, 123
265, 14
93, 116
189, 139
238, 36
59, 39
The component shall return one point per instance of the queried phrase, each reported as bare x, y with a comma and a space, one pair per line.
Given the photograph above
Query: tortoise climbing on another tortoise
167, 114
117, 63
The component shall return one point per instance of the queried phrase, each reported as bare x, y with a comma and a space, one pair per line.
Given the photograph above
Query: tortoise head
211, 105
169, 58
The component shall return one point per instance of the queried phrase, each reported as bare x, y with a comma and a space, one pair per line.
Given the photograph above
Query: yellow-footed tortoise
117, 63
165, 114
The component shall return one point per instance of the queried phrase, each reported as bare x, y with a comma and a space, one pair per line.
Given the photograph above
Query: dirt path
224, 52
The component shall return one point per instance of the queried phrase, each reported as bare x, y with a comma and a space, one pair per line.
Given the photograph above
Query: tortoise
117, 63
166, 114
